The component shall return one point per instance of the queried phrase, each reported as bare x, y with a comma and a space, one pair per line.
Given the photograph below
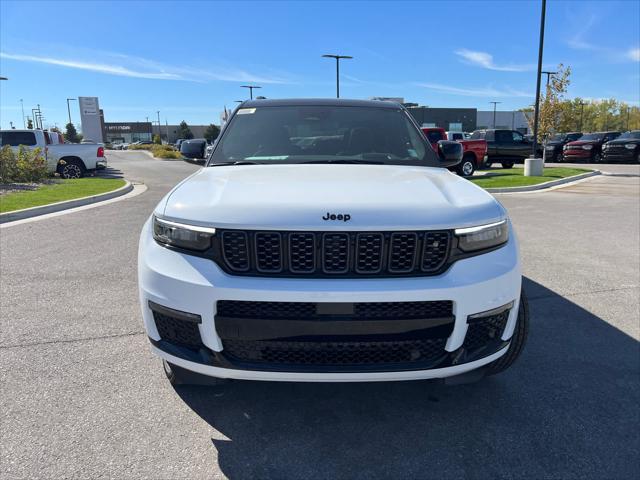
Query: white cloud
634, 54
148, 69
485, 60
475, 92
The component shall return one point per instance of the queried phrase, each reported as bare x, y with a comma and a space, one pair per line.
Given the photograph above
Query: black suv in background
505, 146
553, 146
194, 150
588, 148
625, 148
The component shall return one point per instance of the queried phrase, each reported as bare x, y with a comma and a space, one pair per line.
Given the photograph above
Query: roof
323, 102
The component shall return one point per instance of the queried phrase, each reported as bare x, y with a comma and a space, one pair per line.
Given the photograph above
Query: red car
474, 151
588, 148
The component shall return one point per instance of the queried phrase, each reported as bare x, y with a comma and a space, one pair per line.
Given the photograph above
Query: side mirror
449, 153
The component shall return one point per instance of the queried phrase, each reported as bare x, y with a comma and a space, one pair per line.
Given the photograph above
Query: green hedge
25, 166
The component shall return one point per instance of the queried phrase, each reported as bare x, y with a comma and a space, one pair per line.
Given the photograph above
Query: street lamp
4, 78
159, 134
337, 57
534, 147
548, 74
24, 122
494, 113
250, 87
69, 108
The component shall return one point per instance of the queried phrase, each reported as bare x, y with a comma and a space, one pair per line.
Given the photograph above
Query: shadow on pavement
567, 408
109, 172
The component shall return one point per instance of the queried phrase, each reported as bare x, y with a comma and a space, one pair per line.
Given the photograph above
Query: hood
622, 141
292, 197
585, 142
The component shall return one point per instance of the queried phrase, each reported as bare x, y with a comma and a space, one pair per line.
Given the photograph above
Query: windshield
558, 137
592, 136
322, 134
630, 135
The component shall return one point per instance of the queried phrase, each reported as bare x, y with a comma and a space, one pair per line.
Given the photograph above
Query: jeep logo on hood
344, 217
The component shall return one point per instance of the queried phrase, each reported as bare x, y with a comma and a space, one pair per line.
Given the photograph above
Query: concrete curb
149, 154
545, 185
67, 204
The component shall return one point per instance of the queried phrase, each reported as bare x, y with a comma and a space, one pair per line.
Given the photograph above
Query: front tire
597, 157
72, 169
518, 339
466, 167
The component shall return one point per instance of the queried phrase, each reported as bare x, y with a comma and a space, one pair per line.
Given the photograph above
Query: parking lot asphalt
83, 397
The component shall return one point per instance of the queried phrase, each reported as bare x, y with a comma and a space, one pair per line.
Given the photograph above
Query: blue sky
188, 59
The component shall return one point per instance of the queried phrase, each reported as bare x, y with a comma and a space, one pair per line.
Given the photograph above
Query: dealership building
129, 132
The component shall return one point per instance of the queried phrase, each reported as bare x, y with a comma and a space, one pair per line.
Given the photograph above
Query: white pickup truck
68, 160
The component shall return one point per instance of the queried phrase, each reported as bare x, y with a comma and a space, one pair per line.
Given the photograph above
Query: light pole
250, 87
494, 113
24, 122
69, 108
534, 147
548, 74
4, 78
337, 57
581, 113
158, 112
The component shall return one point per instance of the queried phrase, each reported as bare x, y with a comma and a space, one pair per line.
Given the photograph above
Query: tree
156, 139
71, 134
211, 133
30, 124
551, 103
184, 131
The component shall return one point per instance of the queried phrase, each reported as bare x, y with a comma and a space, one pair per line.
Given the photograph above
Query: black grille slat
361, 311
349, 254
483, 331
335, 252
235, 249
302, 252
268, 248
177, 331
369, 256
402, 252
335, 353
434, 250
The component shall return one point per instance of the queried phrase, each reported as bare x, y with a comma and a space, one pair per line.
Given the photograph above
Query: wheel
181, 376
597, 157
518, 339
508, 164
72, 169
466, 167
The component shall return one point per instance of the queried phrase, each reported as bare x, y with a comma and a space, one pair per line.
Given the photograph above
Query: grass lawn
514, 177
57, 192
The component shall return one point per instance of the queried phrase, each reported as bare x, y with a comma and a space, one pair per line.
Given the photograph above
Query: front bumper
195, 285
577, 154
619, 155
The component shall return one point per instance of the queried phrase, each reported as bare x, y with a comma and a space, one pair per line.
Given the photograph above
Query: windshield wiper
239, 162
370, 162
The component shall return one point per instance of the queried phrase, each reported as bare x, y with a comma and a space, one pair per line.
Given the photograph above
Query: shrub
165, 151
157, 140
140, 147
25, 166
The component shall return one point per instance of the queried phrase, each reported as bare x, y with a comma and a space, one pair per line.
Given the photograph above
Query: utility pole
534, 147
494, 113
24, 122
581, 113
548, 74
166, 127
158, 112
250, 87
338, 57
69, 108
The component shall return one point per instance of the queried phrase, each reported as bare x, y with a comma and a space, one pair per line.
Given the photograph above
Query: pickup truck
326, 241
68, 160
506, 147
474, 152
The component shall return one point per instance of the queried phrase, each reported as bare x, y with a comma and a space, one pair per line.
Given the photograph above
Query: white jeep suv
324, 241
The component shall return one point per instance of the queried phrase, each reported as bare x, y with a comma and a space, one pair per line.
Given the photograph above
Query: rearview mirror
449, 153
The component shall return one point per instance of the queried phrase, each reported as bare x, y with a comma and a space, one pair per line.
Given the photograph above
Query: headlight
482, 237
630, 146
189, 237
587, 147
